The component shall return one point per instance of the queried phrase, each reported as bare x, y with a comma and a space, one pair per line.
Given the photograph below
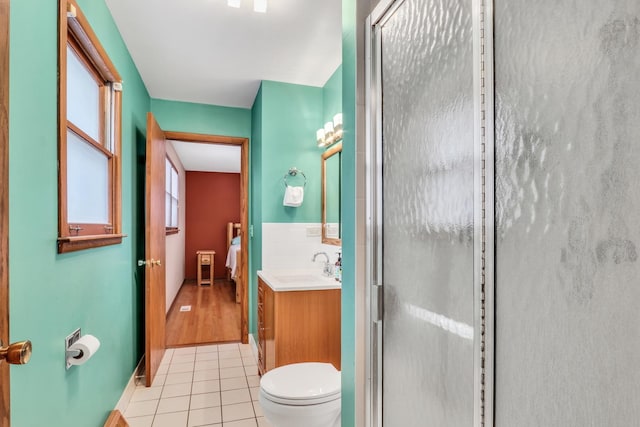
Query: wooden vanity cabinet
297, 326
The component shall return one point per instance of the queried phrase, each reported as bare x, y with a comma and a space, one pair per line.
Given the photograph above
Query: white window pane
174, 183
83, 97
167, 175
87, 182
167, 210
174, 212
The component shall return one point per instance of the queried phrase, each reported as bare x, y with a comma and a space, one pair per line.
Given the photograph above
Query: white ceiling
208, 157
204, 51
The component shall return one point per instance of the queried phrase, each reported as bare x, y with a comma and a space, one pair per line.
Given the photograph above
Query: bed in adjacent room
234, 257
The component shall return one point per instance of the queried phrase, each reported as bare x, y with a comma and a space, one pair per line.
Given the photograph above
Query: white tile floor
212, 385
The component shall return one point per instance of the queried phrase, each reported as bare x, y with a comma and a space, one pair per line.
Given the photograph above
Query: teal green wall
332, 105
255, 256
349, 62
285, 118
291, 116
332, 96
282, 125
100, 290
51, 294
202, 118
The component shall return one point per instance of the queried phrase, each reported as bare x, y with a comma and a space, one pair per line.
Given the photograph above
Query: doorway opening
213, 172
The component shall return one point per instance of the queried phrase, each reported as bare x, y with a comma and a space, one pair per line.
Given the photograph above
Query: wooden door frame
5, 419
244, 208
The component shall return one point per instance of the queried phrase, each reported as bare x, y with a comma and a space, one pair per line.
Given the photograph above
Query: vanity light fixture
331, 132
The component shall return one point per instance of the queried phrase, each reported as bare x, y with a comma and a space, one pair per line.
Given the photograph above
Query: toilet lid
308, 382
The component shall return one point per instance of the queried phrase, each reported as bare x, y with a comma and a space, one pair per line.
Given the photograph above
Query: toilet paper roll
88, 345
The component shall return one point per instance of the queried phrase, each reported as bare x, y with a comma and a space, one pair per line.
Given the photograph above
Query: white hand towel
293, 196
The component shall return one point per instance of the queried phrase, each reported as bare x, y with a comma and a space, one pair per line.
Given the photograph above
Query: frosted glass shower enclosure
424, 249
503, 197
567, 147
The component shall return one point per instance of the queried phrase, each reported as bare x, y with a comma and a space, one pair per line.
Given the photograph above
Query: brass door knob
17, 353
150, 262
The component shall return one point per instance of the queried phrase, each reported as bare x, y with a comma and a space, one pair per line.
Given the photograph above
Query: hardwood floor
214, 315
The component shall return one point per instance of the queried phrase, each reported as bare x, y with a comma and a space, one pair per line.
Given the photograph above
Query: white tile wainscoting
287, 246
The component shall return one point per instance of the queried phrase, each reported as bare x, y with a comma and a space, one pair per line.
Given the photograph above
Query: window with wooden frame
171, 198
89, 105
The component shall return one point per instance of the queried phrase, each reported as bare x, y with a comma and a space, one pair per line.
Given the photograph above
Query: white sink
297, 280
300, 278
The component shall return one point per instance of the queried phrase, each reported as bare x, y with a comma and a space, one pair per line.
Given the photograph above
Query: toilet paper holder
68, 342
79, 348
73, 353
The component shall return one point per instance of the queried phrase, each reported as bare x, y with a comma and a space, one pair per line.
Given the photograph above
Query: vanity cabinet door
307, 328
266, 345
297, 326
269, 329
261, 346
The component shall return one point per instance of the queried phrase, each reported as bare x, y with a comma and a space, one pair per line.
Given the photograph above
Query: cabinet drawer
205, 259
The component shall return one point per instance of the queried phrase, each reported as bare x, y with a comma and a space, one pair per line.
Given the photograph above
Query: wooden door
4, 207
155, 313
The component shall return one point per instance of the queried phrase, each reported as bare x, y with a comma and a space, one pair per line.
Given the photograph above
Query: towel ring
293, 172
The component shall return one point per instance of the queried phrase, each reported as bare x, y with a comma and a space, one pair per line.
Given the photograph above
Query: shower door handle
378, 303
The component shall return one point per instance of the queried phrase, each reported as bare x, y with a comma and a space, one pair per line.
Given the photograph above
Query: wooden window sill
78, 243
171, 230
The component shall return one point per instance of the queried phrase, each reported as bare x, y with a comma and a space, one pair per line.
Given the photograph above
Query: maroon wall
212, 200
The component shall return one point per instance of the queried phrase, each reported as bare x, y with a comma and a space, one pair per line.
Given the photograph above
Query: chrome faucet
326, 269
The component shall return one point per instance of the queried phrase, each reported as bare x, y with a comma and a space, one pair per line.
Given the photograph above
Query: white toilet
301, 394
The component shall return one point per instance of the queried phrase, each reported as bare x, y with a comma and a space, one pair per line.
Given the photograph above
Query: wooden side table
205, 258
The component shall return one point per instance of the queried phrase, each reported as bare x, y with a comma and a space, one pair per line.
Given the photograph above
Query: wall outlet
333, 231
313, 231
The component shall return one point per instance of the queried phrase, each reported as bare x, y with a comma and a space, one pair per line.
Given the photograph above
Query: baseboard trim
254, 346
129, 389
175, 297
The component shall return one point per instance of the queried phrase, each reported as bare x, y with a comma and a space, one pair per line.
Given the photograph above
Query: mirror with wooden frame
331, 183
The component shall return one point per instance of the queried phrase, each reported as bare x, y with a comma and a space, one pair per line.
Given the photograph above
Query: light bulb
337, 126
328, 132
320, 137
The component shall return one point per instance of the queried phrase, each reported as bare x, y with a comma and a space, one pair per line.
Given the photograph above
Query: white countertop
297, 280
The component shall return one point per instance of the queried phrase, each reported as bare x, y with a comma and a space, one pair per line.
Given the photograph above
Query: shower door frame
484, 218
